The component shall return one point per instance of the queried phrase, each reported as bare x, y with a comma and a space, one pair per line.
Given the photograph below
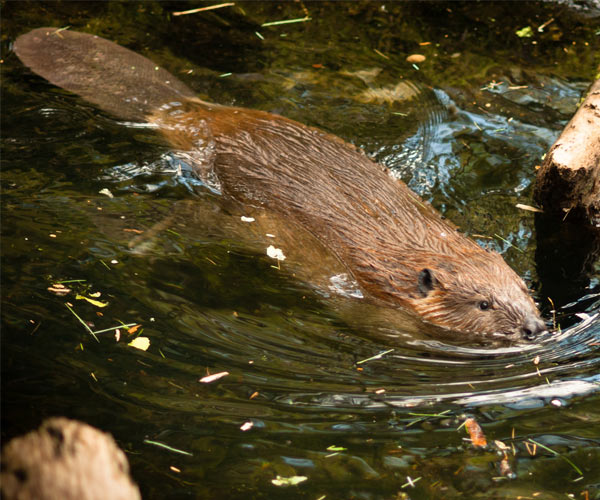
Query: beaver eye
484, 305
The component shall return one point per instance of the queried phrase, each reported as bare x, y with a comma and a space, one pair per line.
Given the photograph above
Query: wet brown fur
385, 235
383, 232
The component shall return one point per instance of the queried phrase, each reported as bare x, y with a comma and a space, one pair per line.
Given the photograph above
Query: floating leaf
133, 329
96, 303
475, 432
416, 58
526, 32
140, 343
275, 253
106, 192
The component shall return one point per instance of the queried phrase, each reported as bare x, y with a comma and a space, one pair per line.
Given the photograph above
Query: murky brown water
465, 129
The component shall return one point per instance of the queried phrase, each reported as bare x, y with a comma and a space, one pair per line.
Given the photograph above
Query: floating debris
287, 21
90, 331
203, 9
246, 426
475, 433
59, 289
167, 447
288, 481
94, 302
416, 58
133, 329
211, 378
377, 356
141, 343
529, 208
275, 253
379, 53
525, 32
410, 482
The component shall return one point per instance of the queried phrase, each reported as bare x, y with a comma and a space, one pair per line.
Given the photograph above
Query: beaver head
478, 294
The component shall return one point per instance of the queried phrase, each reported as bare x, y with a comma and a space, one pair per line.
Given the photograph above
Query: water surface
465, 129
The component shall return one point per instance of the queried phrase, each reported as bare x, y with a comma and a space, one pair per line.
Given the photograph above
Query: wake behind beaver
397, 247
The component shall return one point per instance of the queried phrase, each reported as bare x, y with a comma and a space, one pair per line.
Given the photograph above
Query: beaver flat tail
114, 78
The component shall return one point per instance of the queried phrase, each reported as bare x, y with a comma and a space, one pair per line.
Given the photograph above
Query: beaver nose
532, 326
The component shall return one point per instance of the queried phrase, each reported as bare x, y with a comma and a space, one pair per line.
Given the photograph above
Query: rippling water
310, 366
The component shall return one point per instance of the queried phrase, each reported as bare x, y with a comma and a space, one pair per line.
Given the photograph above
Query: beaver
400, 251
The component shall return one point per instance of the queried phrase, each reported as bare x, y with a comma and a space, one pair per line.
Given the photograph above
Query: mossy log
568, 183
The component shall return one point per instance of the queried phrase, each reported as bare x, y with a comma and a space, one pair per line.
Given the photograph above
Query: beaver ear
426, 281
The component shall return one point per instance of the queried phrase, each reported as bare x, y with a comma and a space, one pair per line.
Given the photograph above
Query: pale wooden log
67, 460
568, 183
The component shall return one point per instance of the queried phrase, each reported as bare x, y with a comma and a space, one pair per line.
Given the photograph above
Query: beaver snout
532, 327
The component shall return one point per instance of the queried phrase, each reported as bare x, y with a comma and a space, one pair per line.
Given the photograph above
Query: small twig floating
377, 356
167, 447
287, 21
128, 325
425, 416
508, 242
379, 53
202, 9
90, 331
410, 482
442, 414
529, 208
